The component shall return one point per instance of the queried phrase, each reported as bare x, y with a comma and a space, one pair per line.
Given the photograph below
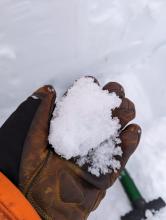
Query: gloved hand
59, 189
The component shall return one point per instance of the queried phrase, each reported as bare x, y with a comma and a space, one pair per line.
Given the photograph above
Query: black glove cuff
12, 136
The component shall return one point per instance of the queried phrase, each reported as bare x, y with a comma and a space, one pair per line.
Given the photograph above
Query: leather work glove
59, 189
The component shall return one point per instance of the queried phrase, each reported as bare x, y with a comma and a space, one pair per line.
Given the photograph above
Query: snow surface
56, 42
158, 216
83, 127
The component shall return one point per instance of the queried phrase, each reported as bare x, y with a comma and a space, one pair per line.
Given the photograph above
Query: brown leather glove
58, 189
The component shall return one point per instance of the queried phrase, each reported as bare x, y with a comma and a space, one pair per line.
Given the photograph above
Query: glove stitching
30, 181
41, 212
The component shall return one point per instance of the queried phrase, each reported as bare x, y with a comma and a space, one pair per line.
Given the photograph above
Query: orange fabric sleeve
13, 205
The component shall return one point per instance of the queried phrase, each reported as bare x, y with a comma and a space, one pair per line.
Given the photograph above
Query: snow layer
82, 126
56, 42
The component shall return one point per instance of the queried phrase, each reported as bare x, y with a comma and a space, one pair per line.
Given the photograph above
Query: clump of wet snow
159, 215
149, 214
82, 127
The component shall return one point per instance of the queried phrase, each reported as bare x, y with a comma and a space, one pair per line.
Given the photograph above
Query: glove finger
130, 138
12, 136
35, 146
115, 87
126, 111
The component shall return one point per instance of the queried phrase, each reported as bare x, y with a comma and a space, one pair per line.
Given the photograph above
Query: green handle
131, 189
